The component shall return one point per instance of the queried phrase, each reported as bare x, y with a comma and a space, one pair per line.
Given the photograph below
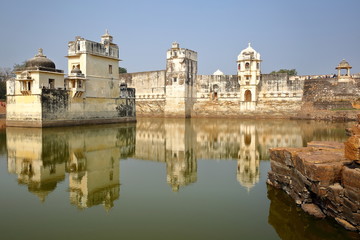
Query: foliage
18, 66
5, 74
122, 70
290, 72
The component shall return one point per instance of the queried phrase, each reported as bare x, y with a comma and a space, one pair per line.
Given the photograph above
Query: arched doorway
247, 96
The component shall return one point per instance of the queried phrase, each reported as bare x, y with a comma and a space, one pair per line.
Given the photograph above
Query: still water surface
156, 179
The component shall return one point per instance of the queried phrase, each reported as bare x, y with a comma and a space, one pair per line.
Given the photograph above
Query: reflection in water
29, 156
40, 158
248, 157
90, 155
291, 222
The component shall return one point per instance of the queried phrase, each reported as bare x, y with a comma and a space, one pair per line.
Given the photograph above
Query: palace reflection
180, 143
90, 156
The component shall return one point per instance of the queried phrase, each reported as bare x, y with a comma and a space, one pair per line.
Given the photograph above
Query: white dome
218, 72
248, 53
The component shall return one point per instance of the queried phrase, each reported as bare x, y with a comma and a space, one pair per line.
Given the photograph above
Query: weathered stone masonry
323, 178
179, 92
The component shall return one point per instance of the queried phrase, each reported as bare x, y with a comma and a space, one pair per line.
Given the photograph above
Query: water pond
155, 179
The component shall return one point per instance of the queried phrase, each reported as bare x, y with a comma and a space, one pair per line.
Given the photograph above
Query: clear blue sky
311, 36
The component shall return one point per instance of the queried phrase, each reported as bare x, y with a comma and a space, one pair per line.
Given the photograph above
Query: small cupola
40, 61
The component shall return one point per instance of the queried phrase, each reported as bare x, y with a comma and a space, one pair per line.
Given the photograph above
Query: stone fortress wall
247, 94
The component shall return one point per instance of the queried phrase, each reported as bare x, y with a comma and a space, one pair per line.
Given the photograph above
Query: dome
248, 53
218, 72
40, 61
343, 64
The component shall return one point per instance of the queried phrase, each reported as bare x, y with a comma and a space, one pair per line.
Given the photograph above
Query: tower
93, 67
181, 70
248, 65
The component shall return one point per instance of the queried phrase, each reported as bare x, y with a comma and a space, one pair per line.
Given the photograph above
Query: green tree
122, 70
290, 72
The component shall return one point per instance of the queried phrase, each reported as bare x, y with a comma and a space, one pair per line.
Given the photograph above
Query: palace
95, 92
178, 91
40, 95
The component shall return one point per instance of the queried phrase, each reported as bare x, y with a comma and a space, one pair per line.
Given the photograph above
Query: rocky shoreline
323, 178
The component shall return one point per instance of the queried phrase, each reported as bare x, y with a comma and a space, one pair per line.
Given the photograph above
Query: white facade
248, 65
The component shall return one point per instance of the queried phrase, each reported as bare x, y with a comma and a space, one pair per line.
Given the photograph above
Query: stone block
335, 194
313, 210
352, 195
321, 166
286, 156
351, 177
298, 175
318, 189
352, 148
351, 205
333, 209
346, 224
326, 145
350, 216
280, 168
272, 180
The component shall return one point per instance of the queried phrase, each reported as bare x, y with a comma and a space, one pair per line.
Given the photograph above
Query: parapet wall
150, 92
55, 107
278, 87
278, 96
329, 93
328, 99
217, 83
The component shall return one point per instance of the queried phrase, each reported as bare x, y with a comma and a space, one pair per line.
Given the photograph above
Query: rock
280, 168
349, 204
313, 210
351, 177
346, 224
352, 148
326, 145
351, 194
321, 174
321, 166
335, 193
287, 156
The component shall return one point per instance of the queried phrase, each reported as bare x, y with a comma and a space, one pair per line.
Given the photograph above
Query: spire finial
106, 32
249, 44
40, 53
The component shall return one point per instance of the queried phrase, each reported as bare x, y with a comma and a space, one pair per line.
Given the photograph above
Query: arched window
239, 66
247, 139
215, 88
247, 65
247, 96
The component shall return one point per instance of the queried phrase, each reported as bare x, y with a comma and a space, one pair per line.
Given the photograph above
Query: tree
5, 74
290, 72
122, 70
19, 66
